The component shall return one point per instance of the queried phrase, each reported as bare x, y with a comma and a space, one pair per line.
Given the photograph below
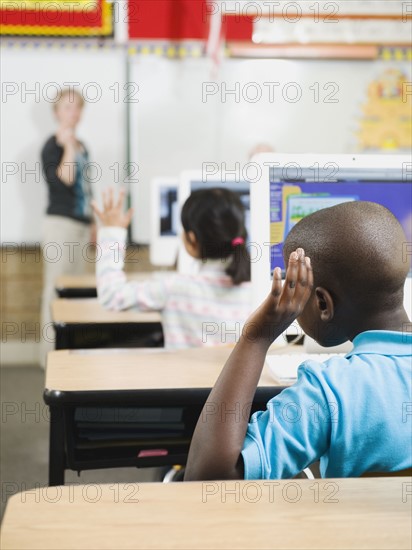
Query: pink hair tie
237, 241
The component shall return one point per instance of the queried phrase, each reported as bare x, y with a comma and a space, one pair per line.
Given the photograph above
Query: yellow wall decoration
386, 123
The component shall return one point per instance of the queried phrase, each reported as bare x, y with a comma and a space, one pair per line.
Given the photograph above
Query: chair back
399, 473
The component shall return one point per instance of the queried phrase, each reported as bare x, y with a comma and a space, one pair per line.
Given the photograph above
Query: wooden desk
98, 382
84, 286
145, 369
349, 514
84, 323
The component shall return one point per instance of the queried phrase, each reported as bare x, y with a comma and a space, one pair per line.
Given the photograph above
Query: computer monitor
293, 186
165, 223
192, 181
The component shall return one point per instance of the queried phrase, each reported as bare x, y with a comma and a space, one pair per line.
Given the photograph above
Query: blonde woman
67, 227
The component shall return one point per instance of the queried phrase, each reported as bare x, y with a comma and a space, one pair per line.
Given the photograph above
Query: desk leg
61, 336
57, 457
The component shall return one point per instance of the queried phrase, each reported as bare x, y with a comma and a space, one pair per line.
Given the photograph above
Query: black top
72, 201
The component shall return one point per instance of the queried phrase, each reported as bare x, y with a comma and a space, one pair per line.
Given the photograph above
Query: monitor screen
168, 211
292, 200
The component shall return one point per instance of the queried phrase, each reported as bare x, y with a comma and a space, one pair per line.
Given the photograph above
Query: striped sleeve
114, 291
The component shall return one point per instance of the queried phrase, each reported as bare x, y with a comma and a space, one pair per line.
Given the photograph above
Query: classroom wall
172, 125
27, 121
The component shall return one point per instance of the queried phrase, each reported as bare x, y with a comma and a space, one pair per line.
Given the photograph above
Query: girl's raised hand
112, 213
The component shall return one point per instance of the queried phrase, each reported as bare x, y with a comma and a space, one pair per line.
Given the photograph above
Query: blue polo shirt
352, 413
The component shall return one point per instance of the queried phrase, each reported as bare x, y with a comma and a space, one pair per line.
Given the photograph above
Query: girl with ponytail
206, 309
214, 221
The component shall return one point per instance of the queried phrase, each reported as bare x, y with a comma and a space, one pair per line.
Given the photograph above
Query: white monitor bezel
260, 197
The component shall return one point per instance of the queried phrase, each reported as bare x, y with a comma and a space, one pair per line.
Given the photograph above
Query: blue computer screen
290, 201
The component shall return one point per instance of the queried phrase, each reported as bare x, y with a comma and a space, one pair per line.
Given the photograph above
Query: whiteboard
171, 129
27, 122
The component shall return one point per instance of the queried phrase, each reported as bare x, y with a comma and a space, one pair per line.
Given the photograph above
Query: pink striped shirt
197, 310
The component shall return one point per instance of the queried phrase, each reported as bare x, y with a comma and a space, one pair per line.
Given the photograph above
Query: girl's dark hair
217, 217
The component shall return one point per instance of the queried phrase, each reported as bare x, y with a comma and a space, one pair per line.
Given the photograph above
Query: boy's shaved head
356, 251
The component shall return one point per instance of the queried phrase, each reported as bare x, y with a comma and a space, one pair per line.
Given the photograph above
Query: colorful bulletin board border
84, 18
170, 49
388, 53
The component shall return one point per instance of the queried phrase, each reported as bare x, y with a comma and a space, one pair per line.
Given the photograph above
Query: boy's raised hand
216, 444
284, 304
112, 213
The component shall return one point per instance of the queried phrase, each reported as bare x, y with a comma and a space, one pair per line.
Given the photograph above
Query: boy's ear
324, 303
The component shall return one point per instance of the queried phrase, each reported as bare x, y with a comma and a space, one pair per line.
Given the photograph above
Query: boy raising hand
347, 412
